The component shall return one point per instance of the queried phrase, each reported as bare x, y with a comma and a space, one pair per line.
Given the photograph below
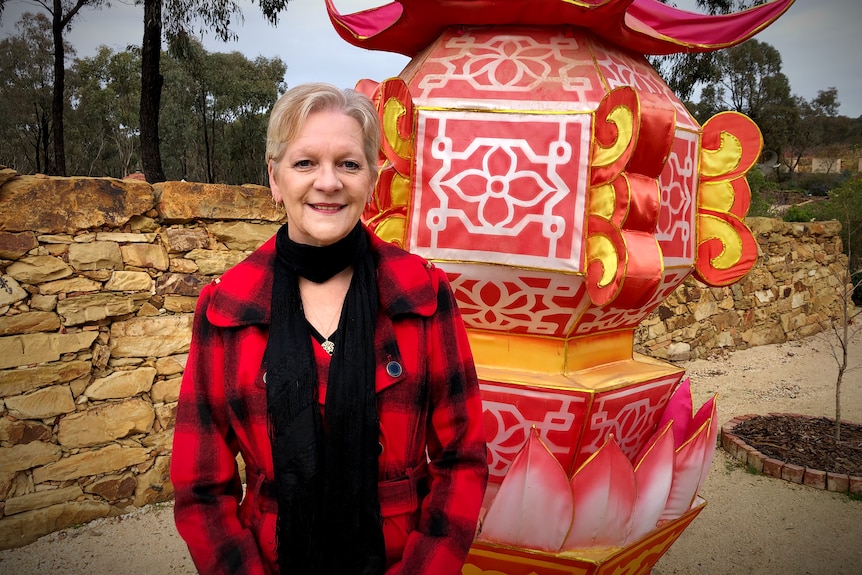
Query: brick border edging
816, 478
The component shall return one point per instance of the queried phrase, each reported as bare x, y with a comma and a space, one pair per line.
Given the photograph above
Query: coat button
379, 448
394, 369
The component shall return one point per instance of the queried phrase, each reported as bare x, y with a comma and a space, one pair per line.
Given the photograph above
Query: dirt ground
752, 524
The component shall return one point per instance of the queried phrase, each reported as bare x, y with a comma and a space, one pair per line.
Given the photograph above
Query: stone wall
98, 282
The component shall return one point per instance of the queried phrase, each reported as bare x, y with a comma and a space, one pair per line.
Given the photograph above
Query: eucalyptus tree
61, 12
26, 66
177, 19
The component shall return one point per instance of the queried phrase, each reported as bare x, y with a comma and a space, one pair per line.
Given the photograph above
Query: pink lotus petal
654, 475
604, 492
688, 465
711, 409
533, 506
678, 410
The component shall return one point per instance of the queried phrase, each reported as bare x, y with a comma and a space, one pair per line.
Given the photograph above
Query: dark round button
394, 369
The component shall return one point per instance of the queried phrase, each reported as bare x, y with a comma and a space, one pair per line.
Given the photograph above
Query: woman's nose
327, 179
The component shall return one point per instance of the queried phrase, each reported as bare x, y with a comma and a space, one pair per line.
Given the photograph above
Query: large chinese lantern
534, 154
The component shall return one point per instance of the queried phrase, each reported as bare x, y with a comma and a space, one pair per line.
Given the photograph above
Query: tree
815, 126
685, 71
103, 121
62, 12
750, 81
178, 19
27, 68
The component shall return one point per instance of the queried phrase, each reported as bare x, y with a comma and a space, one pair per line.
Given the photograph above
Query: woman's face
323, 179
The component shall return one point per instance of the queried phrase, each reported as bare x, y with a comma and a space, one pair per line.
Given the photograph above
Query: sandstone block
41, 499
10, 291
24, 528
14, 245
27, 456
679, 351
122, 384
171, 365
181, 202
181, 284
70, 285
166, 391
95, 256
180, 303
151, 336
167, 415
114, 488
105, 423
17, 432
110, 459
88, 203
242, 236
94, 307
213, 262
39, 269
125, 238
183, 266
145, 256
129, 281
18, 381
29, 322
42, 403
155, 485
161, 442
181, 240
43, 302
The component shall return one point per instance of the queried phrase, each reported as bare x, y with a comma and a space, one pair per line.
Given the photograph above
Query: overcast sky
820, 42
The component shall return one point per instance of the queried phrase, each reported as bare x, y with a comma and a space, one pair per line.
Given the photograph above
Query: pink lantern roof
645, 26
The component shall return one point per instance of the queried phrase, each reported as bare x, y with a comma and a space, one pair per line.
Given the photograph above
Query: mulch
805, 441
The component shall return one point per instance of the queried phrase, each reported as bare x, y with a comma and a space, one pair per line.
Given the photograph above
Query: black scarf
326, 474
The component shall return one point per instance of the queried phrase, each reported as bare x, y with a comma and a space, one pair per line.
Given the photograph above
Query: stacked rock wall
98, 282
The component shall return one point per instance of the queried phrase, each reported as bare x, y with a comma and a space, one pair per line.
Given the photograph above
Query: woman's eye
302, 164
352, 166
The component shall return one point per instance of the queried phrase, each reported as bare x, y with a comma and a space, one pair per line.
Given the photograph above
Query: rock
42, 403
70, 285
28, 349
129, 281
18, 432
151, 337
242, 236
166, 391
88, 203
18, 381
180, 304
155, 485
94, 307
110, 459
23, 528
145, 256
29, 322
105, 423
95, 256
28, 456
114, 488
181, 240
43, 302
213, 262
166, 366
14, 245
39, 269
181, 284
41, 499
122, 384
125, 238
10, 292
181, 202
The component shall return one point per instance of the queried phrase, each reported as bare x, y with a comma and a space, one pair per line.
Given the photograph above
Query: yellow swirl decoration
724, 160
726, 249
393, 111
601, 249
603, 201
711, 227
623, 118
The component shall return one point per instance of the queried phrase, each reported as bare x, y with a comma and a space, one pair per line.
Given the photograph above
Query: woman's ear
273, 184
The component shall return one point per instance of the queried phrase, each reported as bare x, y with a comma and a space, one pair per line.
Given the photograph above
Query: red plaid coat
430, 504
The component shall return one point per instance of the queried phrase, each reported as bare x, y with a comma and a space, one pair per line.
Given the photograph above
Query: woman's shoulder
241, 296
407, 283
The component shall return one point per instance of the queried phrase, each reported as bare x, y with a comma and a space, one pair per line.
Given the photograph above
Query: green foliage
818, 184
760, 187
799, 214
214, 110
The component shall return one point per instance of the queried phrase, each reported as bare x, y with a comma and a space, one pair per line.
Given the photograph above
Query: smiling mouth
326, 208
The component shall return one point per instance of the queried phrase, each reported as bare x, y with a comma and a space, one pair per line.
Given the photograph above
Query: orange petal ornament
533, 507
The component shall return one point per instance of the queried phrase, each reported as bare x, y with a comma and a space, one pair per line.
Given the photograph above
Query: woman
338, 367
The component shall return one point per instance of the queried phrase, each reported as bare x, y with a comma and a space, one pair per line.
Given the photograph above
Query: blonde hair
293, 108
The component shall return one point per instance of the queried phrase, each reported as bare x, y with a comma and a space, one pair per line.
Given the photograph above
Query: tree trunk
151, 92
58, 166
